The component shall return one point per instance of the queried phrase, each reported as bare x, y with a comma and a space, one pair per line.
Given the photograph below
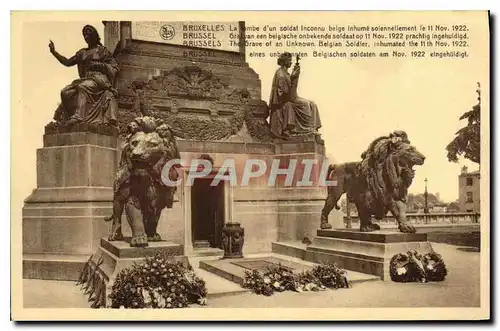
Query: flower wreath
157, 282
415, 267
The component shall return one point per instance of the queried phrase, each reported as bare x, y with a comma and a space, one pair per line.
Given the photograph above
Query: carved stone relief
177, 95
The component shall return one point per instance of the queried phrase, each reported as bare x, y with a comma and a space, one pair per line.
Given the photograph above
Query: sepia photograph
333, 163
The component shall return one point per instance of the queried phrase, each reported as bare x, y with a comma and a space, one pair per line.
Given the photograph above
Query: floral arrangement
330, 276
279, 278
415, 267
157, 282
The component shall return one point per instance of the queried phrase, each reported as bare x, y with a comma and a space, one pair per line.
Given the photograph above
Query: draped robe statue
92, 97
290, 114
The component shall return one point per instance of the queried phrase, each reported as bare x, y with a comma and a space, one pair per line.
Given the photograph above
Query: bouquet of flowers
307, 281
415, 267
331, 276
279, 279
158, 282
435, 267
257, 282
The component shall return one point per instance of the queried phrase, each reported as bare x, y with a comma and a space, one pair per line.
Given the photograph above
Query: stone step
372, 265
210, 251
53, 266
201, 244
352, 276
292, 249
217, 286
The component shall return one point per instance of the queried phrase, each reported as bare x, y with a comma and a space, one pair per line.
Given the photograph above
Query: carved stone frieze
237, 95
196, 103
189, 81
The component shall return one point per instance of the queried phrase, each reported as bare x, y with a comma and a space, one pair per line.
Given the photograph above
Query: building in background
469, 191
439, 207
453, 207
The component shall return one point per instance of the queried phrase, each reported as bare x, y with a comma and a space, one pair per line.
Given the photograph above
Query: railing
430, 218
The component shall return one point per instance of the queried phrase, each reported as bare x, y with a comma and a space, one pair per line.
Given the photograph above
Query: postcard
260, 165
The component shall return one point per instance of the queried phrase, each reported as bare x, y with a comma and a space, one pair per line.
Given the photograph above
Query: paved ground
52, 294
460, 289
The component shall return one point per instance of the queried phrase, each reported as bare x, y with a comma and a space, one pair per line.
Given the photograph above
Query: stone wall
268, 213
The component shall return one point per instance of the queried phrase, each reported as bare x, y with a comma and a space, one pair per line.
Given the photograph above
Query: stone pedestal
366, 252
301, 202
63, 219
113, 256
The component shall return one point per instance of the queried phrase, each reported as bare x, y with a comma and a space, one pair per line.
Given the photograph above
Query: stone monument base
111, 257
366, 252
63, 218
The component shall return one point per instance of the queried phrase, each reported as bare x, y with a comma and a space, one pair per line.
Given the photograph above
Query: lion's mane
385, 176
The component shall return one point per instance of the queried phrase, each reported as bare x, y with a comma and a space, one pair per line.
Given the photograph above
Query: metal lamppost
426, 207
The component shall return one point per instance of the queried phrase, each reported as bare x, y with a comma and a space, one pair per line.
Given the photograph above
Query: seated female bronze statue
290, 114
92, 97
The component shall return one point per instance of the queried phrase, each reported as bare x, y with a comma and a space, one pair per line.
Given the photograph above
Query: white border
185, 5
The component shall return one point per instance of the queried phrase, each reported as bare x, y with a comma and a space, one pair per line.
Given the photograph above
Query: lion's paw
406, 228
374, 226
325, 226
366, 228
116, 235
139, 241
155, 237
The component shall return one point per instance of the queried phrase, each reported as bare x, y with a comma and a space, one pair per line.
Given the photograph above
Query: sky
358, 101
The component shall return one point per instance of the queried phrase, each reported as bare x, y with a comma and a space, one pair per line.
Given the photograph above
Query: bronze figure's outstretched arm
62, 59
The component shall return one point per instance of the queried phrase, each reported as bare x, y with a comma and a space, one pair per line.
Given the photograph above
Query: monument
210, 99
157, 97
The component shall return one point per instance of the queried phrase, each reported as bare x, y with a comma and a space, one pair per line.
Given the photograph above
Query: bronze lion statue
377, 184
138, 187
